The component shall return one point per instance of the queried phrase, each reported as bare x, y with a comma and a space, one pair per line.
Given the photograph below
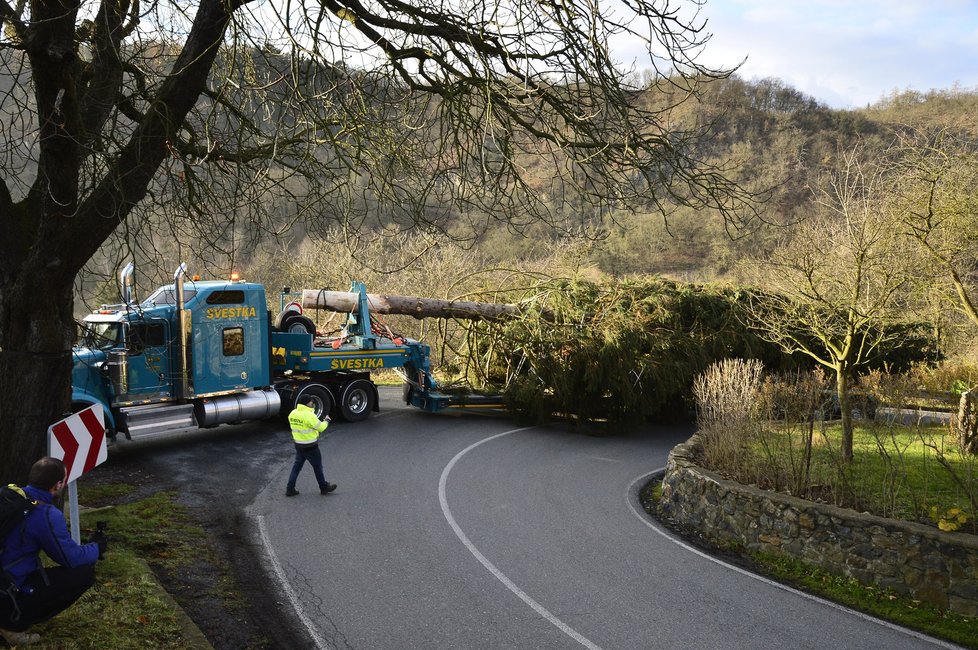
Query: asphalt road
468, 532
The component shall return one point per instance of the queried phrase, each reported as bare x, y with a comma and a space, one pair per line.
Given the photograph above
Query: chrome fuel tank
252, 405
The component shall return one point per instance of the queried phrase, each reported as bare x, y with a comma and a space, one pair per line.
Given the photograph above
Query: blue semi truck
203, 353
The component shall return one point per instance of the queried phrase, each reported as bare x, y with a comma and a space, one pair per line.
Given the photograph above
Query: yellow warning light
195, 278
235, 276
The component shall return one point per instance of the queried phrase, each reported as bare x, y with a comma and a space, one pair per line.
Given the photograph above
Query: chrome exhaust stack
126, 283
182, 335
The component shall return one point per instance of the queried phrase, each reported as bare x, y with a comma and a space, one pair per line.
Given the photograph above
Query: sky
847, 53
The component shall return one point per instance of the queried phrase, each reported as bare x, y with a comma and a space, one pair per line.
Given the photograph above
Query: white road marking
499, 575
542, 611
645, 519
290, 593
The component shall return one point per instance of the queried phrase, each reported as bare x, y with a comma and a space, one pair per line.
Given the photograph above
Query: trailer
203, 353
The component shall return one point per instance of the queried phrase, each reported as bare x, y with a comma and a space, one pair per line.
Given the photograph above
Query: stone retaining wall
922, 562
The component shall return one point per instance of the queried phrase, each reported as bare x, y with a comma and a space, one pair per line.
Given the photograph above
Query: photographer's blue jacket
43, 528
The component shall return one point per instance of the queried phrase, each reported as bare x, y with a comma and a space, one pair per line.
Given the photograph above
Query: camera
100, 538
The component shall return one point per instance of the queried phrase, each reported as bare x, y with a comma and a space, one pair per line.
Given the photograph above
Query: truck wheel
109, 431
358, 400
320, 395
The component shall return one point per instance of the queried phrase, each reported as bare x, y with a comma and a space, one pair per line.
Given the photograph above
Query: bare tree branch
160, 130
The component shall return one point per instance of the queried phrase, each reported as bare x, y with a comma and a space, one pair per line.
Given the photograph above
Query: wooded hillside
774, 139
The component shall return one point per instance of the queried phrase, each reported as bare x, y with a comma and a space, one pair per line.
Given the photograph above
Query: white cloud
847, 53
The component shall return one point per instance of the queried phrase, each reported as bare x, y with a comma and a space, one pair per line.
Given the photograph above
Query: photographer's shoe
19, 638
291, 492
329, 488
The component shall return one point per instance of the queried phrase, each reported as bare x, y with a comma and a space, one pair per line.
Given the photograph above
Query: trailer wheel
320, 395
358, 400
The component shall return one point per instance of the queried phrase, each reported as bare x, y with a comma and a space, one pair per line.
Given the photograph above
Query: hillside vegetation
636, 284
773, 139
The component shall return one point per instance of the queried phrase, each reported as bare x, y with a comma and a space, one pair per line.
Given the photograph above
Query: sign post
79, 441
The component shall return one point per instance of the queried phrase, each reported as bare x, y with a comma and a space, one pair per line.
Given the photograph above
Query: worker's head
310, 402
47, 474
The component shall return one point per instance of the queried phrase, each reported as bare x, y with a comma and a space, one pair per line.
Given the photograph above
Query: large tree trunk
842, 387
47, 236
35, 366
967, 423
344, 301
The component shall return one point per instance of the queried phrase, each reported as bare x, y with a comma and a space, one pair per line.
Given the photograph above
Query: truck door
230, 340
147, 343
234, 362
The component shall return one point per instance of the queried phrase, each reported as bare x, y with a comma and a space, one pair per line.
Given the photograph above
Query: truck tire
320, 395
359, 399
110, 432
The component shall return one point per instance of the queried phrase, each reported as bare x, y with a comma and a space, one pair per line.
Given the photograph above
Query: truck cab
190, 343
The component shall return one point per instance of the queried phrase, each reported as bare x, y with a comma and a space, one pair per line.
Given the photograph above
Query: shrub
726, 404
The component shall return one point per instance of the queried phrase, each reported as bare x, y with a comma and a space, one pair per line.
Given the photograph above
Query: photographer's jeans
44, 595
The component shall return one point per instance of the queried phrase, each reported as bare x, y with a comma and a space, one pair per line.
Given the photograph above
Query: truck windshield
101, 336
167, 296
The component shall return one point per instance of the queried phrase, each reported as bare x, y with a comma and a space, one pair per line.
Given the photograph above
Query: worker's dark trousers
311, 454
66, 585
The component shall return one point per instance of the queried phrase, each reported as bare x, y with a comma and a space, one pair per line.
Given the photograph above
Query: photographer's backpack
14, 507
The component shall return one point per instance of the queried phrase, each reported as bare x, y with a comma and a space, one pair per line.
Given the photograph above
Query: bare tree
935, 199
217, 122
937, 206
837, 282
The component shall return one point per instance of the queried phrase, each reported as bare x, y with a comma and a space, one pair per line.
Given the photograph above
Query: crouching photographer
30, 593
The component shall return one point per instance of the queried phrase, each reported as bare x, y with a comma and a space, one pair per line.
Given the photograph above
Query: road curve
468, 532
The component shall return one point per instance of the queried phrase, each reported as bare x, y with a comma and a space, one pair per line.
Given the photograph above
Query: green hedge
623, 352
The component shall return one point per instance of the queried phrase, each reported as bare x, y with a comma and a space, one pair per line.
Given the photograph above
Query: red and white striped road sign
79, 440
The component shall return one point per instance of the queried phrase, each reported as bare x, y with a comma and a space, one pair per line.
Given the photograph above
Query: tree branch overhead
216, 123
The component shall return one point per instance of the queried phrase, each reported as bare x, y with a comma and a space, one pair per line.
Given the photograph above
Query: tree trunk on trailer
345, 301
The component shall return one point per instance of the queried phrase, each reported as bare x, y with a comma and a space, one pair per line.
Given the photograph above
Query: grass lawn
914, 473
127, 608
903, 472
881, 603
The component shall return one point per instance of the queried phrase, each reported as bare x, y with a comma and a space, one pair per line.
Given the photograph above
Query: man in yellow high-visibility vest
306, 428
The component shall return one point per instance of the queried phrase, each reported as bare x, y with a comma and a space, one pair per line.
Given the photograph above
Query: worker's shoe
19, 638
329, 488
291, 492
